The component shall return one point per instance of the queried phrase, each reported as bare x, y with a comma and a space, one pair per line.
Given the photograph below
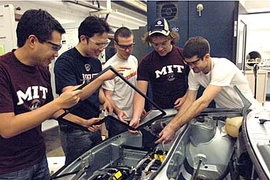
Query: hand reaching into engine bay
134, 123
166, 135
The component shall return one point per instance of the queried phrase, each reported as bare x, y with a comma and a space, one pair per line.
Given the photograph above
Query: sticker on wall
2, 49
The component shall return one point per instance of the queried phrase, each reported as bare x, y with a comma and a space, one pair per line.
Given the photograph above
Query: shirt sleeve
108, 85
6, 99
64, 74
143, 72
193, 83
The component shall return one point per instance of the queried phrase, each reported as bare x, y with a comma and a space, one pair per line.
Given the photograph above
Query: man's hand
107, 107
134, 123
68, 99
178, 103
94, 128
89, 124
144, 113
110, 74
122, 115
166, 135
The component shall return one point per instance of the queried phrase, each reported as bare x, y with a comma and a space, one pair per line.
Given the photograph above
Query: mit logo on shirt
169, 69
31, 93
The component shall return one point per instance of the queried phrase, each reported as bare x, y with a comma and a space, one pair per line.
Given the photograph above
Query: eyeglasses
163, 44
125, 47
100, 44
55, 47
193, 62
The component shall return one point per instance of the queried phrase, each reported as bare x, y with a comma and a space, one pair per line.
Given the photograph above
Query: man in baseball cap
163, 68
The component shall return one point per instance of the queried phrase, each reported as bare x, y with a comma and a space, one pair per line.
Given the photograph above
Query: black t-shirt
71, 69
22, 89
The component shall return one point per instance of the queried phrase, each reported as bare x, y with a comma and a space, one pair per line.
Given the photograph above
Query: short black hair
254, 55
196, 46
92, 25
39, 23
122, 32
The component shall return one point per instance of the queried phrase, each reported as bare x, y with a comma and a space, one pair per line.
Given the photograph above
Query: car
208, 147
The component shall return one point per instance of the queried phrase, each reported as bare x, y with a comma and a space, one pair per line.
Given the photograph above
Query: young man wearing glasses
163, 68
76, 66
116, 90
26, 96
217, 75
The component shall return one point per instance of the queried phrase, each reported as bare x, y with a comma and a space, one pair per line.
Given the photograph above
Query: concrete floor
54, 151
55, 154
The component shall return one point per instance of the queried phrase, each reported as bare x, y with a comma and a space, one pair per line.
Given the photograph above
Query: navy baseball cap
160, 26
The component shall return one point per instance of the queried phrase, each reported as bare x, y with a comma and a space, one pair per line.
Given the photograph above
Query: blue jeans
77, 142
38, 171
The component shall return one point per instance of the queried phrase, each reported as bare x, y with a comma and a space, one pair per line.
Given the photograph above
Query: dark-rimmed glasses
55, 47
193, 62
99, 44
125, 47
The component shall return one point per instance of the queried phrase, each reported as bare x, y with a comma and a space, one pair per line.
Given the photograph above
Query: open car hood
200, 149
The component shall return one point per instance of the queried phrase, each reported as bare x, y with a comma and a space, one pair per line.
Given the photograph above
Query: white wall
7, 29
258, 33
258, 39
70, 15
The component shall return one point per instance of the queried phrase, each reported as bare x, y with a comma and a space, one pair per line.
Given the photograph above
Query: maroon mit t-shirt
166, 74
22, 89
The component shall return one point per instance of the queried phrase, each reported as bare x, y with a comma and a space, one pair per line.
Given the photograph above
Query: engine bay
195, 151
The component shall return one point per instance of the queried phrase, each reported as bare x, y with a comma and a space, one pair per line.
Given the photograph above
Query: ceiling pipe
97, 9
84, 4
131, 7
109, 7
108, 4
